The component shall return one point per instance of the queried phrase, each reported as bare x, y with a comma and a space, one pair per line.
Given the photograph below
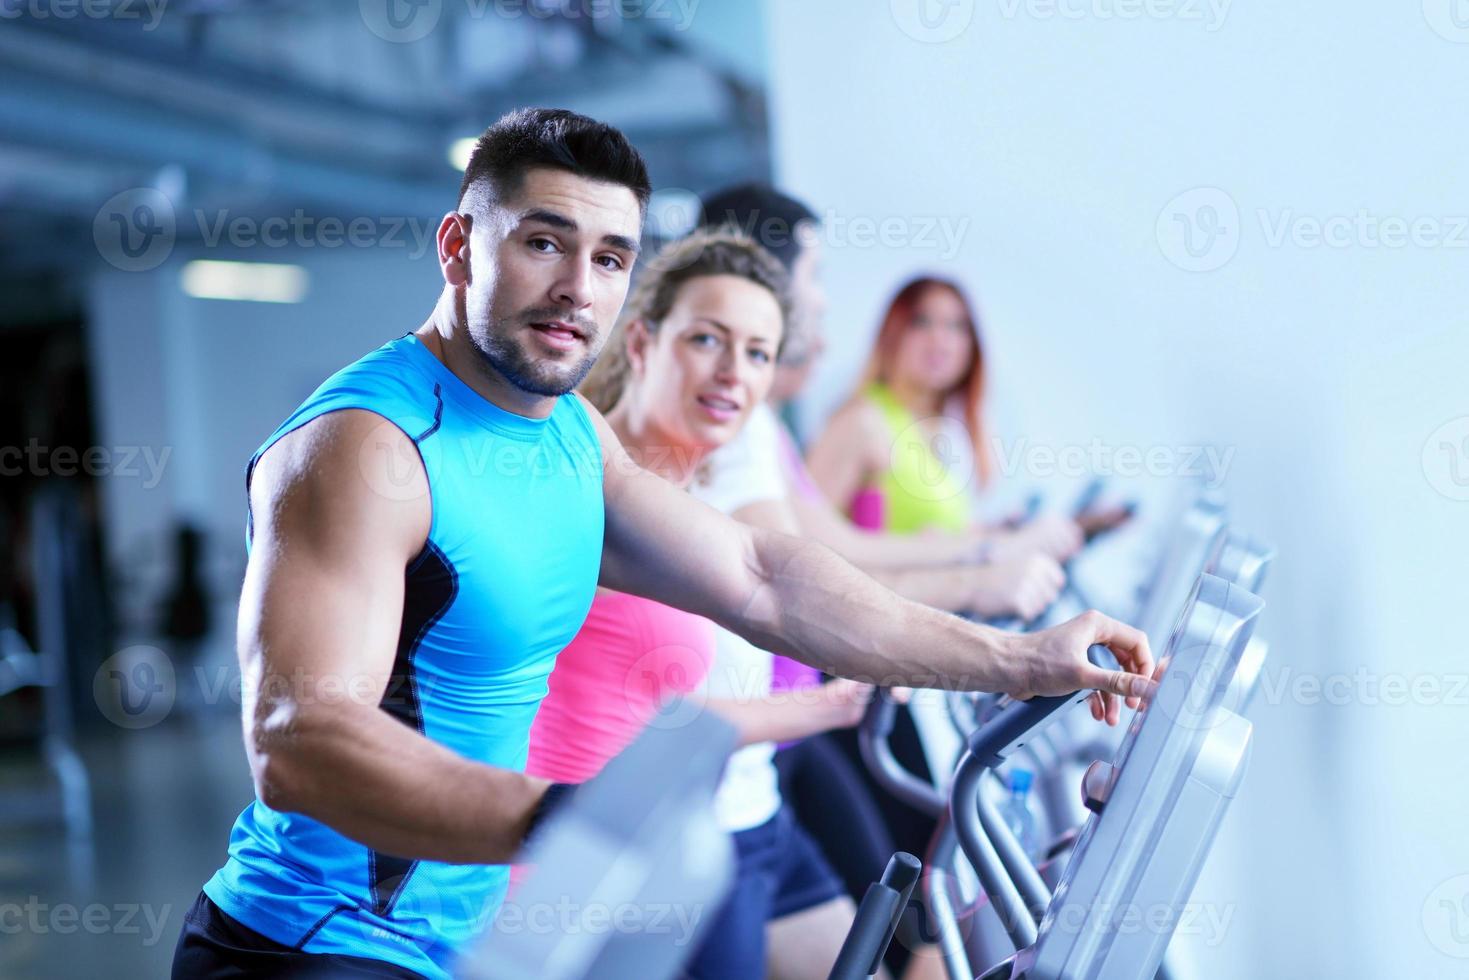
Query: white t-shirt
749, 791
744, 471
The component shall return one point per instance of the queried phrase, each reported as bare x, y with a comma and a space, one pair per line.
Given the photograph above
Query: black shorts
212, 945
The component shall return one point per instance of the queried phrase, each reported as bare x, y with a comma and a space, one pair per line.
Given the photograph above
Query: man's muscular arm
336, 523
1018, 586
797, 597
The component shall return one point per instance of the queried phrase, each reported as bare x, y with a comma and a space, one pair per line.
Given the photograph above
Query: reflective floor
163, 803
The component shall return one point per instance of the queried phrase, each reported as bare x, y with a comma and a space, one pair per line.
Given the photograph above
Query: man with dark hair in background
426, 533
790, 231
989, 572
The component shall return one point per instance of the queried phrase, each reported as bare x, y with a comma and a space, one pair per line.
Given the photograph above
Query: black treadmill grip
872, 741
902, 871
865, 941
877, 919
1017, 720
882, 713
901, 875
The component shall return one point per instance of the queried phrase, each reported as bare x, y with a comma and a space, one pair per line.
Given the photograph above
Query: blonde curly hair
720, 252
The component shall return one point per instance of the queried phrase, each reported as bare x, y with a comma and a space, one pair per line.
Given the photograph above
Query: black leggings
834, 806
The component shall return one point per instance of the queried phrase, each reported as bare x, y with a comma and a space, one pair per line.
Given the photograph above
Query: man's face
548, 274
806, 339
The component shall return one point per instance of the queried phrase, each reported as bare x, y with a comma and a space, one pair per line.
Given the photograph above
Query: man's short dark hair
556, 138
759, 212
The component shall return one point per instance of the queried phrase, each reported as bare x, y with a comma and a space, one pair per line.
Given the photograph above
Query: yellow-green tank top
919, 490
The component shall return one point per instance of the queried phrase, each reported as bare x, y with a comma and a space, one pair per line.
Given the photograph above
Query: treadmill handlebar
1012, 726
854, 961
986, 748
992, 742
873, 741
901, 875
902, 872
877, 919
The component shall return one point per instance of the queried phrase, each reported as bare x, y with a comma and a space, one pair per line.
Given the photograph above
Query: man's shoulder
339, 473
387, 382
392, 373
352, 440
372, 404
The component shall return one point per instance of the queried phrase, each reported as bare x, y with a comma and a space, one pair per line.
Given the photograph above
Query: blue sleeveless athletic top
502, 584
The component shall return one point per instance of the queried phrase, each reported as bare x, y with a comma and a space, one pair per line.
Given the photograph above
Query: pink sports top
631, 657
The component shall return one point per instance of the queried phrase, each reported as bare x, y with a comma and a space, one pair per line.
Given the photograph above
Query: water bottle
1018, 817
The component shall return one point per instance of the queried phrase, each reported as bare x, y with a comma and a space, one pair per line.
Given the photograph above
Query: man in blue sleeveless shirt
426, 532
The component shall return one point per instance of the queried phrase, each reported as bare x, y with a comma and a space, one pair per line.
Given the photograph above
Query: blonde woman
694, 353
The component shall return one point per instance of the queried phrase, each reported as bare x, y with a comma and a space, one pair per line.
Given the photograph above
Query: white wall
1061, 140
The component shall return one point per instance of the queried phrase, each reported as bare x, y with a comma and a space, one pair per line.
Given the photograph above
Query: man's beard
502, 348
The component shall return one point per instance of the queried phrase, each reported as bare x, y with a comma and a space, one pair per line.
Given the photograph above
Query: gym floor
163, 800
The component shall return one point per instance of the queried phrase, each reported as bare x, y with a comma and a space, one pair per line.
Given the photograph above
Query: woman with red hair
909, 449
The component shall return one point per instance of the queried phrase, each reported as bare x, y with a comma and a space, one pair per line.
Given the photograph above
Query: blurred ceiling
337, 108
